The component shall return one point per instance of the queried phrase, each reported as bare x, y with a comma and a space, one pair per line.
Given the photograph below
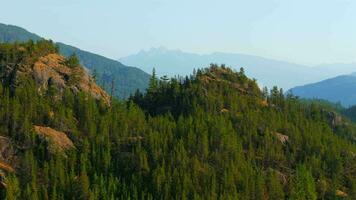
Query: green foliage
152, 86
25, 53
214, 135
72, 61
304, 186
128, 79
275, 188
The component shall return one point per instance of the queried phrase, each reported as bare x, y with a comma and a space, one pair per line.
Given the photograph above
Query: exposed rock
52, 70
58, 142
5, 167
7, 157
334, 119
282, 138
282, 177
224, 110
340, 193
264, 103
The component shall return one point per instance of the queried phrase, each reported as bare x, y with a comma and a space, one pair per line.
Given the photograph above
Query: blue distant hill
340, 89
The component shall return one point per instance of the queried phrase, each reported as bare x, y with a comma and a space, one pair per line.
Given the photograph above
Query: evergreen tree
304, 188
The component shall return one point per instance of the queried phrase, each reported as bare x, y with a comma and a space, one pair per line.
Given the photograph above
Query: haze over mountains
305, 81
268, 72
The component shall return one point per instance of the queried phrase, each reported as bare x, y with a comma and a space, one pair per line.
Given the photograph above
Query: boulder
52, 70
282, 138
57, 141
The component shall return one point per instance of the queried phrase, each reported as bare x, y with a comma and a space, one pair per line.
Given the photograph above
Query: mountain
214, 135
338, 89
126, 79
268, 72
10, 33
41, 64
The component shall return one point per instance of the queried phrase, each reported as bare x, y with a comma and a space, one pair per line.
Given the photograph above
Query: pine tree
275, 189
153, 84
12, 188
304, 186
72, 61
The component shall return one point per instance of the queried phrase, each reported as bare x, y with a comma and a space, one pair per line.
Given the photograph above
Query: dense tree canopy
214, 135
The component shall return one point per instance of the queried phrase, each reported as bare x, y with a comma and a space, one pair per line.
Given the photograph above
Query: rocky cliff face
52, 71
57, 141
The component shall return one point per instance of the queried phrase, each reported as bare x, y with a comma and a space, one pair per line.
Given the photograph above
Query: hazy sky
303, 31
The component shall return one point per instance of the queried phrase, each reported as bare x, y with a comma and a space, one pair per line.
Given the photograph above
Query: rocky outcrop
340, 193
7, 158
281, 137
5, 167
334, 119
57, 141
53, 71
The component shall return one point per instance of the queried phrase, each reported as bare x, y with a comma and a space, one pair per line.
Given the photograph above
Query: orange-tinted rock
58, 142
282, 138
52, 70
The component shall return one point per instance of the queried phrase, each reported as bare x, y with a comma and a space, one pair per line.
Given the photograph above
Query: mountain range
215, 135
125, 79
268, 72
303, 80
340, 89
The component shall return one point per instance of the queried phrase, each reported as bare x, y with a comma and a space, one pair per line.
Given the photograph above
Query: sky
303, 31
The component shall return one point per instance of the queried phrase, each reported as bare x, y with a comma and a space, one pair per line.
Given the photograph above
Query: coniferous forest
212, 135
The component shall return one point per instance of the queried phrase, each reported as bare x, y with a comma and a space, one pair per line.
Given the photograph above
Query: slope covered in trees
213, 135
108, 72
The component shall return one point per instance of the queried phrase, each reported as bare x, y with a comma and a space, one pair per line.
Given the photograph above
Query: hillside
10, 33
213, 135
221, 116
126, 79
338, 89
40, 63
268, 72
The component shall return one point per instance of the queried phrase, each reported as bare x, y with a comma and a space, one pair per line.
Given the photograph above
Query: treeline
213, 135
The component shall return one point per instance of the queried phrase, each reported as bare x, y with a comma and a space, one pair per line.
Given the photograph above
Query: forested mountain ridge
214, 135
278, 134
10, 33
109, 73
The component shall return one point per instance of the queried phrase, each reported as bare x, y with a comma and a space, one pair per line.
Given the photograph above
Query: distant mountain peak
268, 72
158, 51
